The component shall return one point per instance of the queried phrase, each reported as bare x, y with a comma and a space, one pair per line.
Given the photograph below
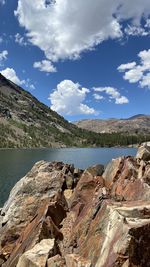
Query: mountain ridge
136, 124
25, 122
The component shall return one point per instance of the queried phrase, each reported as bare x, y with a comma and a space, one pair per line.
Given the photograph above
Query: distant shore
29, 148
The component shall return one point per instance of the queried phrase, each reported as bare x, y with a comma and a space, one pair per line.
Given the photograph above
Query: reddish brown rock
100, 221
102, 230
34, 210
83, 209
74, 260
144, 152
85, 188
45, 224
128, 179
110, 238
56, 261
38, 255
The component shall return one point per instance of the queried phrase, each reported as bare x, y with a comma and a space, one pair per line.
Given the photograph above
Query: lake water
15, 163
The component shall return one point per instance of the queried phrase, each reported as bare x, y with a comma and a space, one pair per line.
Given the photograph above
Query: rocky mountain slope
59, 216
139, 124
25, 122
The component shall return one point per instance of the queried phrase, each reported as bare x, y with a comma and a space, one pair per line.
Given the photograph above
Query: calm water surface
15, 163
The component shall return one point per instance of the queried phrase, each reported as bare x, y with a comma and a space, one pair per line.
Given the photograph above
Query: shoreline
72, 147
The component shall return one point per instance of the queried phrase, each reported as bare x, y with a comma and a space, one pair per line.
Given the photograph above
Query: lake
15, 163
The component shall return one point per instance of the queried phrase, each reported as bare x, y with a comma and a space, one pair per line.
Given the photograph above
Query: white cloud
68, 99
113, 93
145, 81
3, 56
1, 39
98, 97
20, 40
44, 65
133, 75
138, 72
147, 25
32, 87
145, 60
29, 85
11, 75
122, 100
136, 31
127, 66
63, 29
2, 2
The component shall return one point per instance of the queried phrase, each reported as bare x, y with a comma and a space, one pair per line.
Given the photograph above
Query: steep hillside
139, 124
25, 122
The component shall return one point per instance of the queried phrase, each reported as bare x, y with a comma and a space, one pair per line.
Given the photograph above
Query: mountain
138, 124
25, 122
136, 116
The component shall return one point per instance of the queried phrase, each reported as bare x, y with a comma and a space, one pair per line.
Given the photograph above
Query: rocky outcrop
144, 152
35, 209
128, 179
57, 216
38, 255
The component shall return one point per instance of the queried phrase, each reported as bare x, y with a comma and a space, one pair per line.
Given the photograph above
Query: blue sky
84, 59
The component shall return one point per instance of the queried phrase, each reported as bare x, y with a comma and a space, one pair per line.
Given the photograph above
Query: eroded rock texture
58, 216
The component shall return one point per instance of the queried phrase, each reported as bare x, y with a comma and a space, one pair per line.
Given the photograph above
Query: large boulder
96, 170
90, 220
111, 234
128, 179
44, 225
144, 152
106, 215
34, 210
38, 255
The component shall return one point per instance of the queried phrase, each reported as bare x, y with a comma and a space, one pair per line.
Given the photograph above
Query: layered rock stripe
61, 216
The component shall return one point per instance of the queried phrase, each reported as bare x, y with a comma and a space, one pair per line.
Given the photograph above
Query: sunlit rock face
144, 152
59, 216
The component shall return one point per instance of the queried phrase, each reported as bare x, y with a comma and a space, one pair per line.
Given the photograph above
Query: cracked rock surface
59, 216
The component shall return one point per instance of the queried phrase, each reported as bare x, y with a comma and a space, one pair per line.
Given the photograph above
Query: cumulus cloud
127, 66
45, 66
68, 99
11, 75
3, 56
63, 29
122, 100
20, 40
113, 93
98, 97
134, 72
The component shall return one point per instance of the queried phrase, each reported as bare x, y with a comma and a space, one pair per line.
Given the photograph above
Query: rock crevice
61, 216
